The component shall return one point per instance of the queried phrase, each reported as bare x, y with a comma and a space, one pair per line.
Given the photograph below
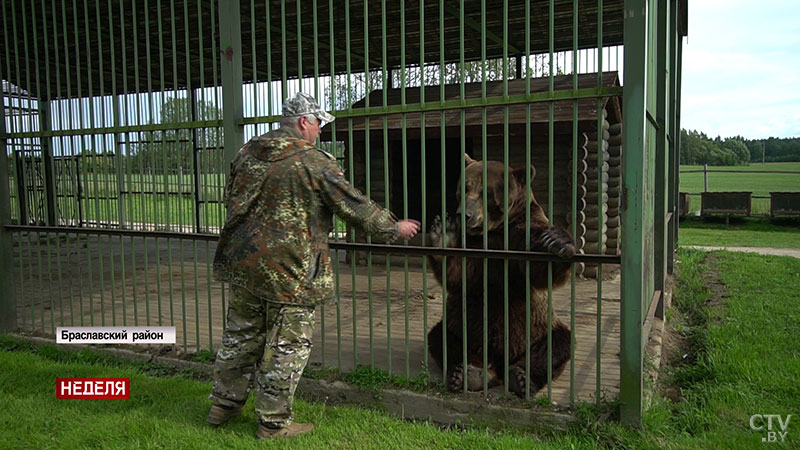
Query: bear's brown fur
543, 238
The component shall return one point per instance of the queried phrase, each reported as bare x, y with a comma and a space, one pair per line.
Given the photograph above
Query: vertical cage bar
299, 47
45, 125
43, 108
150, 167
673, 166
284, 75
662, 77
30, 158
574, 200
484, 206
108, 158
8, 306
528, 191
423, 176
442, 186
333, 133
550, 193
387, 84
462, 200
600, 204
506, 175
351, 170
164, 167
367, 181
254, 62
231, 39
633, 289
404, 151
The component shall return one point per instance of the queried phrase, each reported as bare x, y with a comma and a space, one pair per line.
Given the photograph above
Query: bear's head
495, 204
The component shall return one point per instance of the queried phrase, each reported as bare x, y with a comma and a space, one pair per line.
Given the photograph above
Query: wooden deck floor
63, 283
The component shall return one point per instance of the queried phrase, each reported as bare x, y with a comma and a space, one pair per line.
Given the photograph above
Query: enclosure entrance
433, 176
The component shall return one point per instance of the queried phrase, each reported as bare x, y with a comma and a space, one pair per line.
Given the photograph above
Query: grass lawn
742, 232
741, 359
759, 184
169, 412
740, 318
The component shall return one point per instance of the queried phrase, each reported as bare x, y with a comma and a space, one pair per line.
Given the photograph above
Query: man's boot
220, 414
293, 429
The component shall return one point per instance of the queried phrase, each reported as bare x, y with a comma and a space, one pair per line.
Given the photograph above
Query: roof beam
477, 27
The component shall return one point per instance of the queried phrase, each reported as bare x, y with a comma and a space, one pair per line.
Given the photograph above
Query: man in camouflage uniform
280, 198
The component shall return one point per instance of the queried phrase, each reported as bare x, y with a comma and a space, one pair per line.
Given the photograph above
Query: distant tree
359, 86
738, 149
173, 149
697, 148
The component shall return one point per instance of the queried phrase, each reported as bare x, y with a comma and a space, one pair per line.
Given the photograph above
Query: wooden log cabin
364, 141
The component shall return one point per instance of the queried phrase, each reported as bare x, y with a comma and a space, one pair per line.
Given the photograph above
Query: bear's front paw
516, 382
558, 242
436, 234
455, 378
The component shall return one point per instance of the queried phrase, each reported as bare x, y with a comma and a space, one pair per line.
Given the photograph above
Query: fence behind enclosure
760, 179
118, 150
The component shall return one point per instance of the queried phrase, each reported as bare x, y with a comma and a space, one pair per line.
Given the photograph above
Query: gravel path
793, 252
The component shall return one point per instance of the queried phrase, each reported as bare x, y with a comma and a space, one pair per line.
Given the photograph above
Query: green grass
742, 334
758, 184
169, 412
737, 313
741, 232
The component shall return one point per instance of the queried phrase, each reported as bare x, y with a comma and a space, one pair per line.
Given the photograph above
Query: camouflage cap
302, 104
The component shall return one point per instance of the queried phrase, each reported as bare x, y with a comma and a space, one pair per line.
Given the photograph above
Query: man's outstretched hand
407, 228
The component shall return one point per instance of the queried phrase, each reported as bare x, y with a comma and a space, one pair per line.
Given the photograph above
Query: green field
740, 232
757, 183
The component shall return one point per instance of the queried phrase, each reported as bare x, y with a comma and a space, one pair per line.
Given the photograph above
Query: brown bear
543, 238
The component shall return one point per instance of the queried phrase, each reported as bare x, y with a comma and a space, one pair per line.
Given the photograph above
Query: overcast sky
741, 68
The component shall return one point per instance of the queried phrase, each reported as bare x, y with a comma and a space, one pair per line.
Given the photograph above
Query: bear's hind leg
454, 378
516, 372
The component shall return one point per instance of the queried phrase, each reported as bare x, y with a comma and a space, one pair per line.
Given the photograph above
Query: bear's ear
467, 159
519, 175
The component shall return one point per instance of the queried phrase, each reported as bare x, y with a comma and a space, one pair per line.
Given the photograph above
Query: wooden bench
784, 204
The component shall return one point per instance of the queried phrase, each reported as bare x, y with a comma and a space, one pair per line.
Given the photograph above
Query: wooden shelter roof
49, 40
540, 111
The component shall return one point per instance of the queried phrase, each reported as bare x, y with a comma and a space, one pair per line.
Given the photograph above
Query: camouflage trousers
265, 347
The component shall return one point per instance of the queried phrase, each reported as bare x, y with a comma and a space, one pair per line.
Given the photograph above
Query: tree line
698, 148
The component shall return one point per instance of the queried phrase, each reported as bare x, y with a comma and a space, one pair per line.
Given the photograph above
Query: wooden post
705, 177
230, 36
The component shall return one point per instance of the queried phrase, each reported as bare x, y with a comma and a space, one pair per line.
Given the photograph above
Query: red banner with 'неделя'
108, 388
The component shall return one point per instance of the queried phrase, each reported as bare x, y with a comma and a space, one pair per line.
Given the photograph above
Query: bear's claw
435, 233
455, 381
558, 242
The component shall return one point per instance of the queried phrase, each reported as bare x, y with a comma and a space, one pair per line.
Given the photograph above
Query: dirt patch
717, 289
676, 351
681, 347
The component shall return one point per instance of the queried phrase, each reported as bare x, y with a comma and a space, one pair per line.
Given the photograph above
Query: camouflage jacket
280, 198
